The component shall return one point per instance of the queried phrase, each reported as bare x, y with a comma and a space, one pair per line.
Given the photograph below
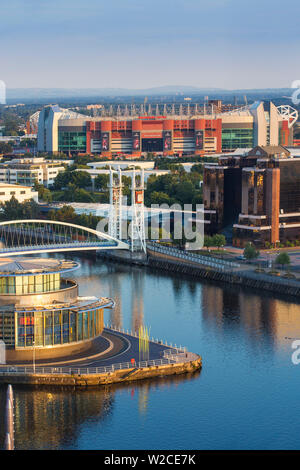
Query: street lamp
33, 356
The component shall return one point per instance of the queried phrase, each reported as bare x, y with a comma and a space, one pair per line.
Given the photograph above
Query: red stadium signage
139, 197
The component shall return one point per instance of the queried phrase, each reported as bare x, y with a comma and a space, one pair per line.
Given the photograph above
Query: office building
257, 194
41, 313
26, 171
21, 193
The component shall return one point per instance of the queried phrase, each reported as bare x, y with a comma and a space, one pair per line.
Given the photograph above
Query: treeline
14, 210
68, 214
177, 187
5, 148
11, 122
216, 240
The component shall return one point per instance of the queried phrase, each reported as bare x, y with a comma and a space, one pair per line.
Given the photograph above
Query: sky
230, 44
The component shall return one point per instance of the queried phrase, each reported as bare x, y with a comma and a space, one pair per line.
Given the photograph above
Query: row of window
19, 285
50, 328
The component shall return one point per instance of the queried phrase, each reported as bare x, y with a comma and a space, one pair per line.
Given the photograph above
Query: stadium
262, 123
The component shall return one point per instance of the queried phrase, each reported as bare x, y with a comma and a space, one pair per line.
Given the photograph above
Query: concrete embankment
126, 257
246, 278
117, 376
243, 278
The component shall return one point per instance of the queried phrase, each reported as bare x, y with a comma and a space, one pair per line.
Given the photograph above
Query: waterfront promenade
175, 260
119, 361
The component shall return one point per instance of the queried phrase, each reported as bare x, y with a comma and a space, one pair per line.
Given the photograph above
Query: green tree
283, 259
250, 252
218, 240
60, 181
101, 182
68, 214
197, 168
5, 148
14, 210
185, 192
82, 179
207, 241
65, 214
159, 197
44, 193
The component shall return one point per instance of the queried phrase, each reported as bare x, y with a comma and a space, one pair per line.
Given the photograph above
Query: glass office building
40, 309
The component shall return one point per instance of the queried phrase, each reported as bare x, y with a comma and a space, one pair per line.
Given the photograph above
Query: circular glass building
41, 310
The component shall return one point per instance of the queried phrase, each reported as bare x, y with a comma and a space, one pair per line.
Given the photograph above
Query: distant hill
53, 94
13, 93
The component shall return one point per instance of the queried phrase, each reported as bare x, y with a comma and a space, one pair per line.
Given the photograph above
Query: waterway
245, 397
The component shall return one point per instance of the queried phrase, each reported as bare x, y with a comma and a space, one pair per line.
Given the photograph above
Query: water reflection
137, 300
260, 315
242, 336
51, 418
222, 306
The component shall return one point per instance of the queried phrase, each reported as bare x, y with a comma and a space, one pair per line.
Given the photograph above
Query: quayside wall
243, 278
86, 380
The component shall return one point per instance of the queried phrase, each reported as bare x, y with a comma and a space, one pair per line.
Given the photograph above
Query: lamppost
33, 356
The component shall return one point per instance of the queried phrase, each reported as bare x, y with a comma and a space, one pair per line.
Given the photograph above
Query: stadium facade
262, 123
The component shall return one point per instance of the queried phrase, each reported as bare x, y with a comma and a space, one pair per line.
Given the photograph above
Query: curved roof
22, 266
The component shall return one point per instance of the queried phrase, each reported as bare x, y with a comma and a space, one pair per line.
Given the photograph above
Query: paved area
293, 253
110, 348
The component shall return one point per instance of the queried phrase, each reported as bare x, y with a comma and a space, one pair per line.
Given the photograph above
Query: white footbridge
24, 237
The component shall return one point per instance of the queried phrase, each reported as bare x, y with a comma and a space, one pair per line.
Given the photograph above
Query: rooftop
14, 186
23, 266
81, 304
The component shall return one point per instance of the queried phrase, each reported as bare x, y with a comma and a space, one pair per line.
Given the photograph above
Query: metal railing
135, 334
220, 264
172, 359
56, 246
172, 355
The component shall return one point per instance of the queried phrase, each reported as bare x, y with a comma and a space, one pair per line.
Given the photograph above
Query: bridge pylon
137, 225
138, 239
115, 201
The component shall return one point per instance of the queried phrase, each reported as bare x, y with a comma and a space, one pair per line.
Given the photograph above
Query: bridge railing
221, 264
35, 234
56, 246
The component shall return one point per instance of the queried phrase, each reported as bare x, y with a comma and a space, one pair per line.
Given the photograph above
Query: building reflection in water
273, 319
137, 300
51, 418
115, 293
